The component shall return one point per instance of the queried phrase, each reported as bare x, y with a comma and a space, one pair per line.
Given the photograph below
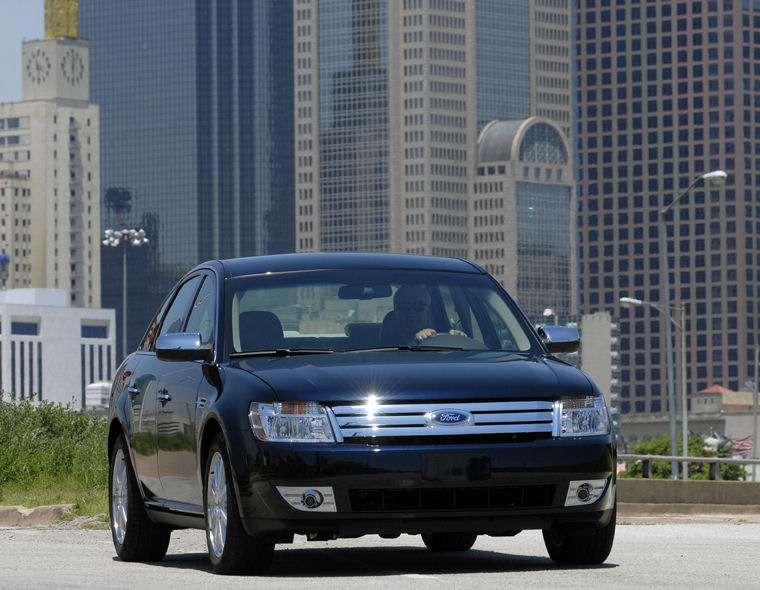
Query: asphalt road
671, 555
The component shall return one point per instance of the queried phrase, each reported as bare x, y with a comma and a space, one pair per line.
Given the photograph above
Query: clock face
37, 66
72, 67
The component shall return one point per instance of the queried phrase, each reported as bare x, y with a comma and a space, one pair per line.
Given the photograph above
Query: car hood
411, 375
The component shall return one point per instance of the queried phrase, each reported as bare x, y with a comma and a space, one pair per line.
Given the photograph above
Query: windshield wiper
416, 348
281, 352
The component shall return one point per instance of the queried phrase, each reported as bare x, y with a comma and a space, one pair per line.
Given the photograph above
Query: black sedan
338, 395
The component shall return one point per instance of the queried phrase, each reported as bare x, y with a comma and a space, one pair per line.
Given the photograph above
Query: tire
135, 536
566, 548
440, 542
230, 549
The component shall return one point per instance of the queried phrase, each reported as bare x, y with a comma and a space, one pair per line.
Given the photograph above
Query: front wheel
439, 542
230, 549
135, 536
566, 548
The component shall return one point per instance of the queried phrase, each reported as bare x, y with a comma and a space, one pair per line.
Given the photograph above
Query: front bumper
493, 489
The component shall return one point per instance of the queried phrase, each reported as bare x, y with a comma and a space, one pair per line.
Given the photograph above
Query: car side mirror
183, 346
560, 338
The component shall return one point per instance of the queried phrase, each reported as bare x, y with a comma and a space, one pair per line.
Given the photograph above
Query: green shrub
661, 469
49, 441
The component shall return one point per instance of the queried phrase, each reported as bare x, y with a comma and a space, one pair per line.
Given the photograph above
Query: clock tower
55, 68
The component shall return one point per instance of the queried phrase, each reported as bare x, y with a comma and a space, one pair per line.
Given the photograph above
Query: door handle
133, 391
163, 396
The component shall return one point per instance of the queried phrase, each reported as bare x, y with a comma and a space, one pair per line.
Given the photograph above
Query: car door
152, 377
179, 404
140, 384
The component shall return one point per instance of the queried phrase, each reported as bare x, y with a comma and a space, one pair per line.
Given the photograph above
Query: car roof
337, 260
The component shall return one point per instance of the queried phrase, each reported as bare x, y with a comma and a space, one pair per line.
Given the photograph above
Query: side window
203, 313
149, 339
174, 320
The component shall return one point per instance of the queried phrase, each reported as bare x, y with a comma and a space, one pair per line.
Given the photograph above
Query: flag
743, 445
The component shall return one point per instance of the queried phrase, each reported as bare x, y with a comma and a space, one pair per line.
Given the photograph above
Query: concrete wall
667, 491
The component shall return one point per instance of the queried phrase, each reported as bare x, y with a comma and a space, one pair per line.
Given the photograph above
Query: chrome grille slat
408, 420
357, 421
514, 417
424, 408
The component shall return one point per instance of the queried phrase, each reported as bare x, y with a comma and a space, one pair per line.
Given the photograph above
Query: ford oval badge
449, 417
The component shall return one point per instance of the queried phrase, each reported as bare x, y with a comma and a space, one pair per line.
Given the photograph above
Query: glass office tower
196, 103
667, 92
503, 60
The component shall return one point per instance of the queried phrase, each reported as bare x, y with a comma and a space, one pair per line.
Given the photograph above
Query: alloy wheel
119, 496
216, 504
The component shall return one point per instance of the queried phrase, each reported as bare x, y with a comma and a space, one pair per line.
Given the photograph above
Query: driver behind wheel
410, 318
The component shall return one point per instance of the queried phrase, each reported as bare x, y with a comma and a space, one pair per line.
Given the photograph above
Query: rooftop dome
538, 142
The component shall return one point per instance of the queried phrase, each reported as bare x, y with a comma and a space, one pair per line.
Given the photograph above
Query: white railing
714, 462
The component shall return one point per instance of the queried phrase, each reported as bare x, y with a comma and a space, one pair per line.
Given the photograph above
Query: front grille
473, 498
386, 422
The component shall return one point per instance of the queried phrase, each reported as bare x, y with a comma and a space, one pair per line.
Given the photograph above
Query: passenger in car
410, 319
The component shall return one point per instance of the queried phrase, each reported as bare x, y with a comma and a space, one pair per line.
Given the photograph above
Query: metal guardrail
714, 462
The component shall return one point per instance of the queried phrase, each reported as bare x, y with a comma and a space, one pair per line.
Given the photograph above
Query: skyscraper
666, 92
197, 134
390, 99
49, 174
522, 212
385, 125
524, 60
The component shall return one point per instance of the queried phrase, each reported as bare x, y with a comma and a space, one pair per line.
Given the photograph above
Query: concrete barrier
668, 491
21, 516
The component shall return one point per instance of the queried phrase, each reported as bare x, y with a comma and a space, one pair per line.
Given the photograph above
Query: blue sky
20, 20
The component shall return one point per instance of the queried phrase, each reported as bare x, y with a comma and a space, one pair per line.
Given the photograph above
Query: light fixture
125, 237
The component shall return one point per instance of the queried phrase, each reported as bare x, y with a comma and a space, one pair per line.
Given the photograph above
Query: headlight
290, 422
583, 416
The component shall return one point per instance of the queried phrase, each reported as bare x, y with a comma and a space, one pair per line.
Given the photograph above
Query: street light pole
715, 177
684, 401
629, 302
124, 237
754, 412
665, 279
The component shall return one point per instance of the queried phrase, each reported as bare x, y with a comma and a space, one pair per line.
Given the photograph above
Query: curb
12, 516
648, 509
19, 516
642, 512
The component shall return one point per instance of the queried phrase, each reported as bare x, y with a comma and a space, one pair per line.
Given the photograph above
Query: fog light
582, 493
312, 499
308, 499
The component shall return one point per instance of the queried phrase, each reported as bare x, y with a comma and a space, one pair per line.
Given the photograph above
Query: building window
25, 328
94, 331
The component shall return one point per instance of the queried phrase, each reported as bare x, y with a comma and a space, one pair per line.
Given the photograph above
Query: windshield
345, 310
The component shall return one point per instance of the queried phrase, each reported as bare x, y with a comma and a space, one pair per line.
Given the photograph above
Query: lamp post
549, 312
754, 412
716, 178
631, 302
124, 237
